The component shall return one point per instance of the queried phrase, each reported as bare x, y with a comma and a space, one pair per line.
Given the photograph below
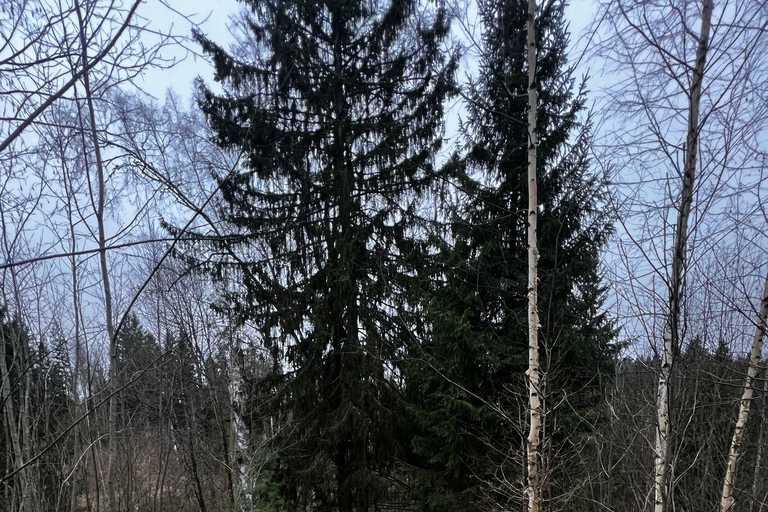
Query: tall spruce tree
338, 107
467, 380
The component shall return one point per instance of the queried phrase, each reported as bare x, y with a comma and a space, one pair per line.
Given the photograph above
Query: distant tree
51, 401
136, 351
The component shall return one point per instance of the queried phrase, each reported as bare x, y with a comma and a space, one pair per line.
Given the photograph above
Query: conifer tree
136, 351
338, 109
468, 382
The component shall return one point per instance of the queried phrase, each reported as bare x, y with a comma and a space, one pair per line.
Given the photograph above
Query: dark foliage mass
339, 111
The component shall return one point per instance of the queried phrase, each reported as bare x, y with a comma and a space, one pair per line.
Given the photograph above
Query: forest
383, 255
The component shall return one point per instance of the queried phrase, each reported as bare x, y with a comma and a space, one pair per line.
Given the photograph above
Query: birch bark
533, 488
241, 434
727, 499
677, 278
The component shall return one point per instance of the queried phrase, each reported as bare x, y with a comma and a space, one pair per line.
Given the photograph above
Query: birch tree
680, 147
677, 276
533, 488
727, 501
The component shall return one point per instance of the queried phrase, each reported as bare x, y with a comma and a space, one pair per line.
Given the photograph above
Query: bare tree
102, 241
680, 145
677, 276
62, 64
727, 501
35, 56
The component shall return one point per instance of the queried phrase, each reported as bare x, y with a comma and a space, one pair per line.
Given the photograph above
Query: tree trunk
757, 486
727, 499
112, 437
13, 430
533, 488
677, 278
241, 433
75, 409
19, 432
24, 411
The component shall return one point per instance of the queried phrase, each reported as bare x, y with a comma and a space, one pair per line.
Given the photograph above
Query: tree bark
75, 408
727, 498
533, 488
756, 481
677, 278
112, 437
18, 431
241, 434
13, 430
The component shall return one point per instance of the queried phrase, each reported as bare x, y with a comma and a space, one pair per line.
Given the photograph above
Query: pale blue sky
213, 18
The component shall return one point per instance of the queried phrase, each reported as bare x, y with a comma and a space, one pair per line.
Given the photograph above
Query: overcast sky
213, 18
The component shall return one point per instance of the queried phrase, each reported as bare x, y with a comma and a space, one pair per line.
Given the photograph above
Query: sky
212, 17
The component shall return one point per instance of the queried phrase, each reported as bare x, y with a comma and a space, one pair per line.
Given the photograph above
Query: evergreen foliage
468, 377
139, 353
338, 109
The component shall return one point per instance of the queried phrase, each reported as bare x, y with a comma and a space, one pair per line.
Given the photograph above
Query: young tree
338, 107
727, 501
533, 485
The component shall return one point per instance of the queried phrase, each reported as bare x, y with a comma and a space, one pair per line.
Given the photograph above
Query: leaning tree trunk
757, 486
677, 278
533, 487
727, 499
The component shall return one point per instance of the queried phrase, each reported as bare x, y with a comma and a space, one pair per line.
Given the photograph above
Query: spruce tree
337, 107
138, 354
467, 380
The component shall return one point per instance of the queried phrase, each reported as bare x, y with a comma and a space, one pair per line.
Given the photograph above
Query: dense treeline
301, 294
175, 433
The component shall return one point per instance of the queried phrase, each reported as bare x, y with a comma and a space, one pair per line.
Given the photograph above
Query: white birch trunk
756, 481
677, 278
533, 487
241, 434
727, 498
